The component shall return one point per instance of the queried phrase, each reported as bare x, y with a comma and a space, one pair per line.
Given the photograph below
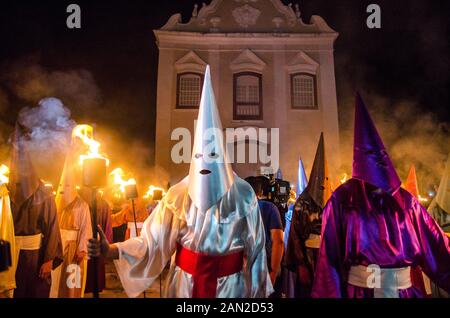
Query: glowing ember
4, 171
422, 199
344, 178
151, 190
86, 134
47, 184
118, 175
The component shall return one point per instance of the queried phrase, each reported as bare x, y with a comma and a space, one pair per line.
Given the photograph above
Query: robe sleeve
435, 245
85, 228
256, 270
118, 219
299, 232
329, 281
51, 242
7, 278
142, 259
107, 221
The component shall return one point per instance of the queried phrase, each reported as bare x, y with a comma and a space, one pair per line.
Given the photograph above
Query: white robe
7, 278
75, 225
233, 224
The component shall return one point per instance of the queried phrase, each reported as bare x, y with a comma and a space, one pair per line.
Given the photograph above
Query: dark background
406, 61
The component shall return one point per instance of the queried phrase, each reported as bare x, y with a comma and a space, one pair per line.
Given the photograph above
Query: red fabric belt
206, 269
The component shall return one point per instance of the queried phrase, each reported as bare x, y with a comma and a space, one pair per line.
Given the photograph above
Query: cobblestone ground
114, 287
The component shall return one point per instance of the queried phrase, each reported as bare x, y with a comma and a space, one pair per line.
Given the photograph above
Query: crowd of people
222, 235
48, 231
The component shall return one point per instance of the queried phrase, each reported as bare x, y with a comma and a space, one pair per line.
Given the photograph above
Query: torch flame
4, 171
422, 199
344, 178
151, 190
118, 175
86, 134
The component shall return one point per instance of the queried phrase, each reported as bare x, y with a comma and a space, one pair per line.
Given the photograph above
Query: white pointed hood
210, 173
70, 177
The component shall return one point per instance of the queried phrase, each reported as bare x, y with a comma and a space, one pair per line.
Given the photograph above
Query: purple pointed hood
371, 162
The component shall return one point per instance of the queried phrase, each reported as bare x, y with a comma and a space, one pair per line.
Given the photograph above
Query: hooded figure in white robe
209, 226
69, 279
7, 278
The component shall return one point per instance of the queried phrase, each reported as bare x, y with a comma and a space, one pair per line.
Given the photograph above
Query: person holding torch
210, 221
94, 166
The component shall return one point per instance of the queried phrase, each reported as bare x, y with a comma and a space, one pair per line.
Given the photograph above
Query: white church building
269, 69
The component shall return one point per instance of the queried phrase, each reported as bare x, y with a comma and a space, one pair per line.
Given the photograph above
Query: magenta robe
361, 227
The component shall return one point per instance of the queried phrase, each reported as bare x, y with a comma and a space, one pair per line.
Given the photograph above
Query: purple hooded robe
361, 226
370, 220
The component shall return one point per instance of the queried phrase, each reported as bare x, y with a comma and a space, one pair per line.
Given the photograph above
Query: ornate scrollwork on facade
246, 15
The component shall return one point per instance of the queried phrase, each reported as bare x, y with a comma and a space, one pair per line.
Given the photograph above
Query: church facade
269, 69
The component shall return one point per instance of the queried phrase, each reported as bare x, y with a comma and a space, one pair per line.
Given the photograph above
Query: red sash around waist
206, 269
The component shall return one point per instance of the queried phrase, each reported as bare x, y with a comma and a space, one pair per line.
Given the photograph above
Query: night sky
407, 60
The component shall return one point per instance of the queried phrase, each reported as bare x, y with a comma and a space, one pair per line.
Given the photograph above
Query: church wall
299, 129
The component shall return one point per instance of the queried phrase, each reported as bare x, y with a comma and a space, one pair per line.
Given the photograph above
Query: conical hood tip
371, 162
210, 173
319, 186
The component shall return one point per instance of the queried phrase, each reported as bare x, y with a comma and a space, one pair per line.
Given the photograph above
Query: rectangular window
247, 96
303, 91
189, 89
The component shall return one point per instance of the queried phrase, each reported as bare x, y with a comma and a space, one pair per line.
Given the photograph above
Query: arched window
303, 91
189, 90
247, 96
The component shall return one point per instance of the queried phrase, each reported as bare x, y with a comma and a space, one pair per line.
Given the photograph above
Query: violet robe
36, 215
362, 227
104, 219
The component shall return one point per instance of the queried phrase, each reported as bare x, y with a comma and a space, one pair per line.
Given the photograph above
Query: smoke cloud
30, 82
50, 120
133, 156
410, 134
50, 126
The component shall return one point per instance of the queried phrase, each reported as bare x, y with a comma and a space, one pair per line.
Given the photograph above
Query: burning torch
131, 193
94, 177
155, 193
130, 189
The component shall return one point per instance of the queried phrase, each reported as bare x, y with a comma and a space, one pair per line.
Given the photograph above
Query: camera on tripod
275, 190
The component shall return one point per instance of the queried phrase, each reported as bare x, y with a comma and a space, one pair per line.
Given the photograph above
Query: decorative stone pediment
302, 63
247, 16
191, 62
247, 61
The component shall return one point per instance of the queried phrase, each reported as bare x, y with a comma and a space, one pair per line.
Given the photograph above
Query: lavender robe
362, 227
36, 215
